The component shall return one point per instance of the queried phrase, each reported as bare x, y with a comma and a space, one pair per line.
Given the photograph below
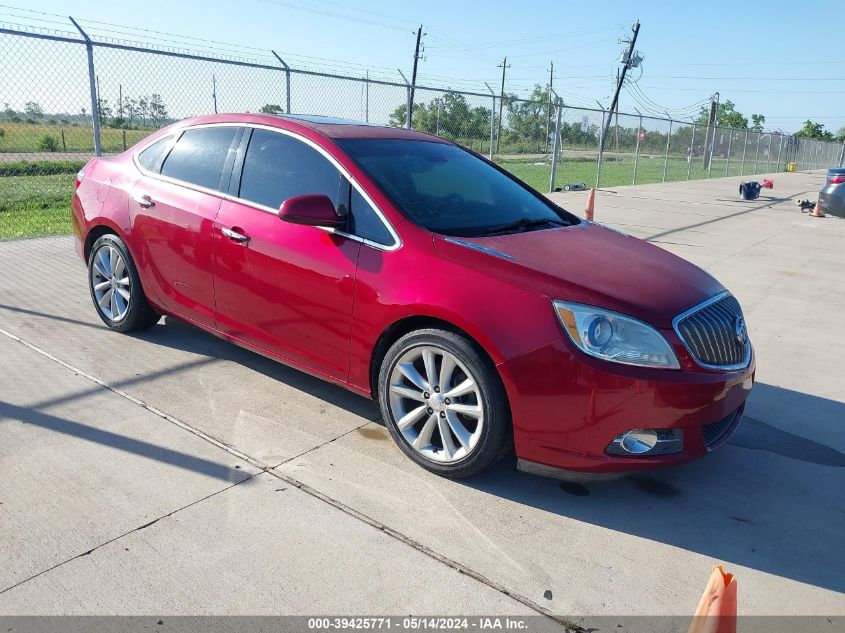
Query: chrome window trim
683, 315
397, 241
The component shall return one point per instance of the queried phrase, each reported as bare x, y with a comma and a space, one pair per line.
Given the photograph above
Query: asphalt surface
171, 472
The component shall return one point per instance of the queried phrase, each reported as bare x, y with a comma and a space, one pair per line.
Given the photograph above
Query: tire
476, 418
126, 309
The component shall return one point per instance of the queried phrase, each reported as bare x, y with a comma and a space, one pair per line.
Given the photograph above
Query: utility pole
629, 60
551, 91
711, 121
616, 126
214, 91
414, 76
99, 103
504, 66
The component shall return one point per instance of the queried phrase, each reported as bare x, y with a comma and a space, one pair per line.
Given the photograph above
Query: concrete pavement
171, 472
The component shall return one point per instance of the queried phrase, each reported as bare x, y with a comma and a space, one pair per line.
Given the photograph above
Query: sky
780, 59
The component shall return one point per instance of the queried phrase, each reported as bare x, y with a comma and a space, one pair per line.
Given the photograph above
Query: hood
591, 264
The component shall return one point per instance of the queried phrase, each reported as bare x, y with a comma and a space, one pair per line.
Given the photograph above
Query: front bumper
567, 407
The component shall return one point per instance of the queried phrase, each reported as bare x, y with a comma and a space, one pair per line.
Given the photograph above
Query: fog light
647, 442
639, 442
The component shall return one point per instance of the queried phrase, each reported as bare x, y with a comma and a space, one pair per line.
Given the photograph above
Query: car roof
334, 128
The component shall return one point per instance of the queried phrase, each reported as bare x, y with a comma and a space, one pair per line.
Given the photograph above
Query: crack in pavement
264, 468
127, 533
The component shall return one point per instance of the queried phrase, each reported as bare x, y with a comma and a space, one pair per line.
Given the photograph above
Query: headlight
615, 337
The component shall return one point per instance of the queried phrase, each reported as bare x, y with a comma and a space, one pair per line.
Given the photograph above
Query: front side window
200, 155
278, 167
448, 190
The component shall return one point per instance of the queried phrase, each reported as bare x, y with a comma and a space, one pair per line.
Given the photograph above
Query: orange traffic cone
716, 612
591, 205
817, 211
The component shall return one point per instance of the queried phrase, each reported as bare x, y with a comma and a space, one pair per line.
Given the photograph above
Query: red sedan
478, 314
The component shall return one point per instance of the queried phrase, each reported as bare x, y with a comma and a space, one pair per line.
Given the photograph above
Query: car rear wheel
116, 288
444, 403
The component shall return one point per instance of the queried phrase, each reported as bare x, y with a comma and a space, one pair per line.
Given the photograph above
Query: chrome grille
710, 333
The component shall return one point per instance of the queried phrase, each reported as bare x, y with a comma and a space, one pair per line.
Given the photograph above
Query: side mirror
312, 210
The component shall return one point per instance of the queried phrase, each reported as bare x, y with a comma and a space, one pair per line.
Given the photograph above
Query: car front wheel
444, 403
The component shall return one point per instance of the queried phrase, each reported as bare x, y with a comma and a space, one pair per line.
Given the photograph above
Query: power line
539, 38
333, 14
635, 91
568, 48
700, 78
791, 92
225, 48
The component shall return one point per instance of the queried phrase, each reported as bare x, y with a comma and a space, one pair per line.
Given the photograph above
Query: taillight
835, 180
79, 176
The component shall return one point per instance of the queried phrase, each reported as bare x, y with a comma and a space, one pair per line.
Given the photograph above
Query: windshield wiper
524, 224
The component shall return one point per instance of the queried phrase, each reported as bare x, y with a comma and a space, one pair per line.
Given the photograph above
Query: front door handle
234, 235
144, 201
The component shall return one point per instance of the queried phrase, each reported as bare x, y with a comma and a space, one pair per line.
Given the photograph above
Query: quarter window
200, 155
278, 167
366, 222
148, 158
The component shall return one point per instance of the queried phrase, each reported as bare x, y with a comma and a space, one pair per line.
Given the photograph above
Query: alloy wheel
436, 404
110, 283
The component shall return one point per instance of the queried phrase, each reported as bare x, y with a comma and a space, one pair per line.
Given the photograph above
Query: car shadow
177, 334
770, 500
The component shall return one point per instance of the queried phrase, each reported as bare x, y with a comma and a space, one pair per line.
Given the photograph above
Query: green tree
130, 108
103, 111
270, 108
449, 116
726, 115
814, 130
840, 134
757, 122
528, 120
158, 111
143, 110
33, 109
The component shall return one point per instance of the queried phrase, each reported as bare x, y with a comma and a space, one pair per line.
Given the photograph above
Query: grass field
32, 206
615, 173
28, 137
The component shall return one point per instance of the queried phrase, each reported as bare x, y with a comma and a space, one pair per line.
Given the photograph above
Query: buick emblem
740, 331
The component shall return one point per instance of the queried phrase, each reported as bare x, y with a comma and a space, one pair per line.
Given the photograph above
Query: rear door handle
144, 201
234, 235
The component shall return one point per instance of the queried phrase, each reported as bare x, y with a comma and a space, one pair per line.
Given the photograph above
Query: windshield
448, 190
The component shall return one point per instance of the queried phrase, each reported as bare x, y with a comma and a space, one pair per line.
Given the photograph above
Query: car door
173, 210
284, 287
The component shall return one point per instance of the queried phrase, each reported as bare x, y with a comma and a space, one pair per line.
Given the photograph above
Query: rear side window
148, 158
200, 155
278, 167
366, 222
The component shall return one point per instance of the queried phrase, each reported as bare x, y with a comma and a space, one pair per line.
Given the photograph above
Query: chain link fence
67, 97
